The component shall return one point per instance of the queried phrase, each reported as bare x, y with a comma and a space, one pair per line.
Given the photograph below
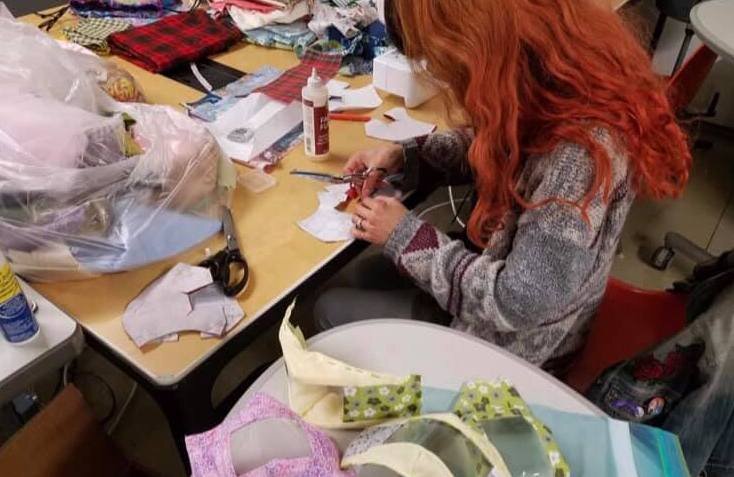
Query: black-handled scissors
228, 267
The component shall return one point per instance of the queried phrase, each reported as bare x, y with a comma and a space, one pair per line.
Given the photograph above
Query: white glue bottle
316, 118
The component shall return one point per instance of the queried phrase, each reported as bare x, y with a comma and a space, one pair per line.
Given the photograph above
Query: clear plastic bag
89, 185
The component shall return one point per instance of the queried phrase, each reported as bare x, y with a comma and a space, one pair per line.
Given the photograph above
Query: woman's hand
375, 219
383, 160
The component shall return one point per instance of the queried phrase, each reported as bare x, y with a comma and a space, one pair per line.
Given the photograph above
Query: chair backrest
629, 321
685, 83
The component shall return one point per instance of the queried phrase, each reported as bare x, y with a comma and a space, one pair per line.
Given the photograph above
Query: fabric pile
92, 33
136, 12
174, 40
295, 36
252, 14
352, 29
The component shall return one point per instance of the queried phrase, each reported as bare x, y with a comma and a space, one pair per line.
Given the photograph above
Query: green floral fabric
374, 403
481, 401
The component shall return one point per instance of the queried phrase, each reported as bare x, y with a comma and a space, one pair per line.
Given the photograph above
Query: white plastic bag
89, 185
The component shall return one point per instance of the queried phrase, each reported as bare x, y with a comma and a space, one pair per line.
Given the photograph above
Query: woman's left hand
376, 218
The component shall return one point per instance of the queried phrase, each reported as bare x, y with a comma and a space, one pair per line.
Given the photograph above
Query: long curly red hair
530, 74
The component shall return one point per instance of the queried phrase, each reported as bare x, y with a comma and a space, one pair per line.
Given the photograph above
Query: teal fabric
585, 440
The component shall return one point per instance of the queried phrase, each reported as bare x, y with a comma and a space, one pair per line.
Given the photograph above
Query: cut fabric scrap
316, 382
286, 37
92, 33
253, 125
402, 128
344, 99
249, 19
221, 5
328, 224
184, 299
151, 9
287, 88
278, 150
351, 29
209, 106
174, 40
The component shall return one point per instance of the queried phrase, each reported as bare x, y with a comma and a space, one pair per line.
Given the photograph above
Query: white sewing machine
394, 74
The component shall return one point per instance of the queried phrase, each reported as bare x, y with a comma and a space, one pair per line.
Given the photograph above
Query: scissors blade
319, 176
230, 232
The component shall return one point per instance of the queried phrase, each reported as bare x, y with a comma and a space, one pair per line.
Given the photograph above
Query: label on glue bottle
316, 117
17, 322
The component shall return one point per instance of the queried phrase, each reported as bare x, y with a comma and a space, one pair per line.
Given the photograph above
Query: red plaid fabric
174, 40
287, 88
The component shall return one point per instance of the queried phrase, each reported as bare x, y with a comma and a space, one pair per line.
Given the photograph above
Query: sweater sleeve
553, 252
445, 154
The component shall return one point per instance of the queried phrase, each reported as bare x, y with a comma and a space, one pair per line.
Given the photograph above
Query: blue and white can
17, 322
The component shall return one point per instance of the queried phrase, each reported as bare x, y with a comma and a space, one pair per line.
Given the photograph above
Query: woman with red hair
566, 124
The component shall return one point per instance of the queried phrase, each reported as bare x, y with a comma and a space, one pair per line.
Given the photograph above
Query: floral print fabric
367, 403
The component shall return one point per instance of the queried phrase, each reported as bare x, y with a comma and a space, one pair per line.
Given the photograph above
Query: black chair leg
658, 32
684, 48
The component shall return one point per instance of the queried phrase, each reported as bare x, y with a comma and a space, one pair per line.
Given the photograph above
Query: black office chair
679, 10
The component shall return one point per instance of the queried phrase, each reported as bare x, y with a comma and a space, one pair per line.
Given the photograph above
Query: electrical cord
113, 424
84, 380
452, 203
427, 211
453, 206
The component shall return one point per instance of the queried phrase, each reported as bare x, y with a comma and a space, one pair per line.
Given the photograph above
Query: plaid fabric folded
92, 33
287, 87
174, 40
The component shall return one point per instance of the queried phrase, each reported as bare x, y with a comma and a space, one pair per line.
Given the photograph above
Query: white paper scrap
328, 224
402, 128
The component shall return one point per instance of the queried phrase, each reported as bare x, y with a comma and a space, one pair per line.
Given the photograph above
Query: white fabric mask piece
402, 128
328, 224
184, 299
345, 99
315, 381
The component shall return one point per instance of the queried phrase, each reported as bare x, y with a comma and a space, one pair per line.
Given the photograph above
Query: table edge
75, 339
705, 34
315, 339
172, 379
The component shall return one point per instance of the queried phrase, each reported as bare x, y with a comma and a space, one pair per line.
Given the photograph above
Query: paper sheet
402, 128
254, 124
329, 224
346, 99
184, 299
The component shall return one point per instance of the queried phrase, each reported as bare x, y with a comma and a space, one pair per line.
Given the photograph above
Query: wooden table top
280, 254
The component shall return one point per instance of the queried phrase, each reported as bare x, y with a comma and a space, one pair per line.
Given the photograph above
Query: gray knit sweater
539, 281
